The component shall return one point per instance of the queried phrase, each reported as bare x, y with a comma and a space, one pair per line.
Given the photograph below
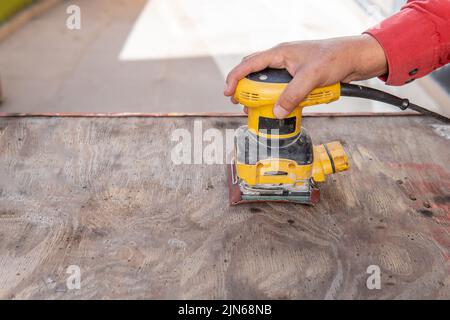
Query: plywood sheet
104, 195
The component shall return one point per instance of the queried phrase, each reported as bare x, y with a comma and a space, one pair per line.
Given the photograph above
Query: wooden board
104, 195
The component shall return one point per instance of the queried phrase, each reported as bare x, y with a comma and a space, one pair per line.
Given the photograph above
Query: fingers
301, 85
252, 63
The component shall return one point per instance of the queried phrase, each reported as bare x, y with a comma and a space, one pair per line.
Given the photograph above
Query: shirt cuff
411, 45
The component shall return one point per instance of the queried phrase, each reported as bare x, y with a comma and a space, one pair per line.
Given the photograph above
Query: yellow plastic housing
328, 159
254, 114
260, 98
262, 172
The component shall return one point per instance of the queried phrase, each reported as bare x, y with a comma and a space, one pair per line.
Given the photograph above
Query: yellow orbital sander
275, 160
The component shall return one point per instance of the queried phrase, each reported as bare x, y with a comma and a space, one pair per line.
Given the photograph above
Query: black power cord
353, 90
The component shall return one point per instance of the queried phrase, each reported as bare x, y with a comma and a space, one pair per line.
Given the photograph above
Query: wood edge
439, 95
188, 114
23, 17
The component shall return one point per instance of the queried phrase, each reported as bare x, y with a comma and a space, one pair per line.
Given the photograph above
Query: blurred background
170, 55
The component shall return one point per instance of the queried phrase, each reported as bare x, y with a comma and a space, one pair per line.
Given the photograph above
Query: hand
313, 64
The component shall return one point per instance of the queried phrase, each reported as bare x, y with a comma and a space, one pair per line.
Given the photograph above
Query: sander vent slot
249, 96
319, 95
275, 173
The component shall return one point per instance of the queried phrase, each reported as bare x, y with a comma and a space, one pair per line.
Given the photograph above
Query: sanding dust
442, 129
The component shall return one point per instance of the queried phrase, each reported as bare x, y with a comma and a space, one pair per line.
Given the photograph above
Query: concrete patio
164, 56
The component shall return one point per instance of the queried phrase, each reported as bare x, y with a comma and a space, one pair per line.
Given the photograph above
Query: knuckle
316, 71
236, 71
229, 78
250, 57
289, 98
245, 65
278, 58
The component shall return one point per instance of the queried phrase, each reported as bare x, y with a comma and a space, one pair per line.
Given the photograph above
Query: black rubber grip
331, 158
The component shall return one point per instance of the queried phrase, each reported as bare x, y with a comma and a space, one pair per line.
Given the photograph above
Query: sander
275, 160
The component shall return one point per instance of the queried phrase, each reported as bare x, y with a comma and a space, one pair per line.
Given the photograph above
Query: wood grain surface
103, 194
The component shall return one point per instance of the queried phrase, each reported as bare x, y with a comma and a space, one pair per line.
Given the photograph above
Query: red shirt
416, 40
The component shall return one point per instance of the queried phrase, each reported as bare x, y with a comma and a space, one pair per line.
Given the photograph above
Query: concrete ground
163, 56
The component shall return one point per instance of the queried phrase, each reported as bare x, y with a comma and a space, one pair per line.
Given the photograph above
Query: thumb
295, 92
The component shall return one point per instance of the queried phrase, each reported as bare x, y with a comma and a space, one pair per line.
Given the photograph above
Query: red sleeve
416, 40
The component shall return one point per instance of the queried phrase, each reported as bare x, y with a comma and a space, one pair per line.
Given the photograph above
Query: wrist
371, 60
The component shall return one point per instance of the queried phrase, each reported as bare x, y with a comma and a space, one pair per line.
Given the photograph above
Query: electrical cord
353, 90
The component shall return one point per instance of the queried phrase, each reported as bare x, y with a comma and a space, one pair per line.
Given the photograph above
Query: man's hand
313, 64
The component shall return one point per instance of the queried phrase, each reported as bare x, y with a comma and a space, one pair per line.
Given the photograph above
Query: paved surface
163, 56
